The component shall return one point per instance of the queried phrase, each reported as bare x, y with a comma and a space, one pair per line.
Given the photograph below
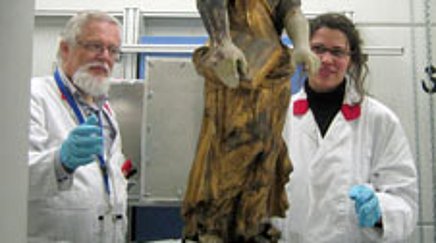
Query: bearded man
77, 192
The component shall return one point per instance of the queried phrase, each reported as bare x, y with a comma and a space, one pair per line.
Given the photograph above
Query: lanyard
67, 94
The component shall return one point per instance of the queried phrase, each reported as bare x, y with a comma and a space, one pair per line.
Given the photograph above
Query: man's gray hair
74, 27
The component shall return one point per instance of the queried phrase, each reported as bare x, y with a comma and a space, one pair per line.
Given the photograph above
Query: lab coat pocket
73, 199
74, 225
75, 216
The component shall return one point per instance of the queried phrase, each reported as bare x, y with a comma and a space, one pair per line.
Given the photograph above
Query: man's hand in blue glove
82, 144
366, 205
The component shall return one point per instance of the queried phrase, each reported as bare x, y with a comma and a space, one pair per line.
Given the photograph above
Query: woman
354, 177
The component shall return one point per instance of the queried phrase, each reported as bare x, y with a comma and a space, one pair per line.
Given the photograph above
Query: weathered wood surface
241, 165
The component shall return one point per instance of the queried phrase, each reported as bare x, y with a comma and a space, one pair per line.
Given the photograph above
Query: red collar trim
350, 112
301, 107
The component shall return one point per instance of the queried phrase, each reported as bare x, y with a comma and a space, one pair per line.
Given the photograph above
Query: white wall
16, 23
118, 5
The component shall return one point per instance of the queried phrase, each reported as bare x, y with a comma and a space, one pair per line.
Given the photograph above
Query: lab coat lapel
338, 131
340, 128
304, 118
309, 127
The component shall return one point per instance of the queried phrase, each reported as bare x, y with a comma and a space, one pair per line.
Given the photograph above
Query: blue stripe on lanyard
101, 159
67, 93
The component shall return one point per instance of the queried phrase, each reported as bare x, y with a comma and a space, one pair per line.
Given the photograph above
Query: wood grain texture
241, 165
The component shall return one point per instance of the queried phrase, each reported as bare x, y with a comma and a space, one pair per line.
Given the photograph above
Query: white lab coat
70, 211
371, 149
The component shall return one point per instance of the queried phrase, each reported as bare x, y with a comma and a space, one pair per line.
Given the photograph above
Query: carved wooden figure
237, 180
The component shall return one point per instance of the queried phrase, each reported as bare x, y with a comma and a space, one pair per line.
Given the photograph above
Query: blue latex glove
366, 205
82, 144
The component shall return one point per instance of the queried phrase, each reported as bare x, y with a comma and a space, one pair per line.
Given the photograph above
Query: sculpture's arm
297, 29
225, 59
215, 19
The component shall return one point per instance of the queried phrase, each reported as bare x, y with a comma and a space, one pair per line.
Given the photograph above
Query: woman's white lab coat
367, 148
78, 209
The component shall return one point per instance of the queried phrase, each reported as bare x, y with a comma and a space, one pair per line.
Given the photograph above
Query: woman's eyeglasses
335, 51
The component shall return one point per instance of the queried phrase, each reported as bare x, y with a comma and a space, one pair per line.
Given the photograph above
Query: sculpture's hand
228, 63
306, 57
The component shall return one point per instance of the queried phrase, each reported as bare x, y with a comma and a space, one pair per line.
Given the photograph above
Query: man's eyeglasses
98, 47
335, 51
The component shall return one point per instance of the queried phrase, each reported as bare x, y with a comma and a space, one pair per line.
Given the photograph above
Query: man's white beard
92, 85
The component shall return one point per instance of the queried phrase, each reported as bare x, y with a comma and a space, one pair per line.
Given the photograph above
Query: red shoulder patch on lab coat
301, 107
350, 112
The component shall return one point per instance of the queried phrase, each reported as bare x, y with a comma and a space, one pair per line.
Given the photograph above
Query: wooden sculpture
237, 180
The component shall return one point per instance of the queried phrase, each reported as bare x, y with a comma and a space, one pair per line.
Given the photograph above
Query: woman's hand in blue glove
366, 205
